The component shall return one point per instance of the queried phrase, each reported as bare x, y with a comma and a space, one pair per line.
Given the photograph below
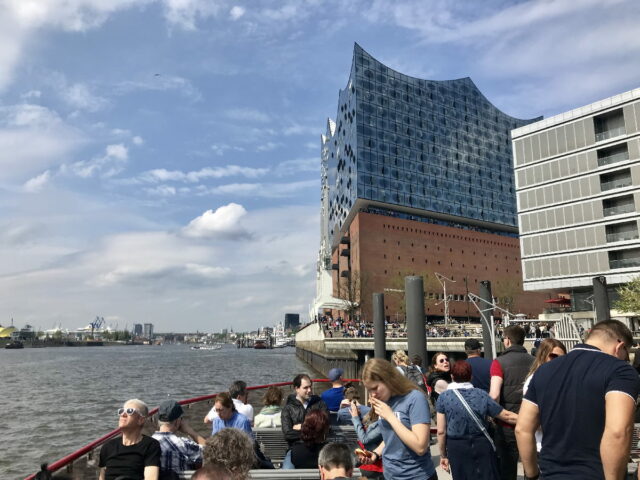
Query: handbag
475, 418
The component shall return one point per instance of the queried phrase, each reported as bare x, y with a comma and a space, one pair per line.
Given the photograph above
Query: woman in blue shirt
228, 416
404, 423
465, 447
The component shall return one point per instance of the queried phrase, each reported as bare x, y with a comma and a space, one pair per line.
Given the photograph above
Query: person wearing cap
335, 394
179, 453
131, 455
480, 367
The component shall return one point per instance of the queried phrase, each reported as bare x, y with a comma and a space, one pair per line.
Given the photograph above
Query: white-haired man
132, 455
178, 453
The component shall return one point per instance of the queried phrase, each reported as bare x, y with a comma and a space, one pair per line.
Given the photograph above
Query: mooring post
416, 331
380, 341
486, 317
601, 299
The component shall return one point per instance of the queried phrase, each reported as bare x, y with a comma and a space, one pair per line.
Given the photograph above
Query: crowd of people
563, 414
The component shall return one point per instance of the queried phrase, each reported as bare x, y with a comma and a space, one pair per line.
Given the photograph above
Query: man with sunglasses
585, 403
132, 455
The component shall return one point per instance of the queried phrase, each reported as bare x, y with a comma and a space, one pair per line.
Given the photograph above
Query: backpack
414, 375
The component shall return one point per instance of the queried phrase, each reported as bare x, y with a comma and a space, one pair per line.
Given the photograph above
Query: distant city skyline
161, 160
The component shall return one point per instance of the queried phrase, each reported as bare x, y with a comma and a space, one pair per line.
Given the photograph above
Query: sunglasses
443, 360
553, 355
129, 411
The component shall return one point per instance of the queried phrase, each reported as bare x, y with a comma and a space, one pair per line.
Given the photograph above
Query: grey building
291, 321
148, 330
137, 329
578, 196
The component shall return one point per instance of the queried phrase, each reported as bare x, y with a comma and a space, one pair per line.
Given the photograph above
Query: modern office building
417, 178
137, 329
578, 188
291, 321
148, 330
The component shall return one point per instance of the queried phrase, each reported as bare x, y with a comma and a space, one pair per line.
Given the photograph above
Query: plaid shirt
178, 453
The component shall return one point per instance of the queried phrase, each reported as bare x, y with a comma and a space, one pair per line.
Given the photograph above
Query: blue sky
160, 158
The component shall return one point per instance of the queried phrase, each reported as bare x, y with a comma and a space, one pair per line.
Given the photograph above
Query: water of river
55, 400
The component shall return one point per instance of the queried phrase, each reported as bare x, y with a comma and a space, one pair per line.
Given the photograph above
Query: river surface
56, 400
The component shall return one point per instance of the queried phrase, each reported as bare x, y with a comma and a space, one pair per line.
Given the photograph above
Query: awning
559, 301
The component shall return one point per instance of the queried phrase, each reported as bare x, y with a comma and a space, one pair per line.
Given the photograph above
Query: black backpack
414, 374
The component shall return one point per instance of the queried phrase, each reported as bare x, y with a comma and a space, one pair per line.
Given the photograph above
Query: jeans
286, 462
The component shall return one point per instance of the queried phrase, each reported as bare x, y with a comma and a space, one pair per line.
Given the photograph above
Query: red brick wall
385, 249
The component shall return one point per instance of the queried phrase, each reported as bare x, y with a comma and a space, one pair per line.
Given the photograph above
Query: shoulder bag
475, 418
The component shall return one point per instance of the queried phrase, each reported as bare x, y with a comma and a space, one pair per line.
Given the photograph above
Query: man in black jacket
293, 413
508, 373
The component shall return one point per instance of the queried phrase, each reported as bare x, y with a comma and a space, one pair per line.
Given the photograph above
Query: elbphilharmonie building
417, 177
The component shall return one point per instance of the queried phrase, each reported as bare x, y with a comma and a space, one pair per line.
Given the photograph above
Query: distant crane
96, 324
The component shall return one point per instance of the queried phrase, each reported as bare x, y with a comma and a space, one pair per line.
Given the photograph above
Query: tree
507, 290
396, 288
629, 297
350, 292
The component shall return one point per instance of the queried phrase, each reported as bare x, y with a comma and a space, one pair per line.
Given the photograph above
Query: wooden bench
274, 446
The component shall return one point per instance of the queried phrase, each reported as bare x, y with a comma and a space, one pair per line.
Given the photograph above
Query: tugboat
14, 345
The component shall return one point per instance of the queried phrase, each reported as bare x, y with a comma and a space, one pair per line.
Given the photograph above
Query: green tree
507, 290
350, 292
629, 297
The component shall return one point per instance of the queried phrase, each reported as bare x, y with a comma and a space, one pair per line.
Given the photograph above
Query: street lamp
443, 282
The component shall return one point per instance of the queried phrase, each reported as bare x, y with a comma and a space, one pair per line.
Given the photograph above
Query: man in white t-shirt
240, 397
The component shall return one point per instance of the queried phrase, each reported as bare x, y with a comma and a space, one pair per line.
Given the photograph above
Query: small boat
260, 344
14, 345
215, 346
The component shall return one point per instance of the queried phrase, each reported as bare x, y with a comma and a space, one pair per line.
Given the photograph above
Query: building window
617, 153
618, 205
621, 232
618, 179
609, 125
624, 258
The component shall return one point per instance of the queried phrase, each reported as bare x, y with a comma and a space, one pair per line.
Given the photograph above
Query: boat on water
14, 345
215, 346
260, 344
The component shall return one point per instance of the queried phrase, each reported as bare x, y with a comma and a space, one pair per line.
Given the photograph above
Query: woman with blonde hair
404, 423
549, 349
400, 359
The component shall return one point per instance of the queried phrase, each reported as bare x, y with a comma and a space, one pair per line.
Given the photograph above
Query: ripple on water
67, 397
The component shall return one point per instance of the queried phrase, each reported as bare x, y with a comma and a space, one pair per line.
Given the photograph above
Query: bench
302, 474
274, 446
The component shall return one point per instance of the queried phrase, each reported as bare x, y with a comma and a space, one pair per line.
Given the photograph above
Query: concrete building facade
422, 162
578, 196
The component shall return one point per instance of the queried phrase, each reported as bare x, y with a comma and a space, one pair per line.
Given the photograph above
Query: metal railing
618, 210
618, 183
624, 262
614, 132
613, 158
622, 236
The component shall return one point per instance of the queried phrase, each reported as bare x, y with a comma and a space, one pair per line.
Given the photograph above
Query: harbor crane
96, 324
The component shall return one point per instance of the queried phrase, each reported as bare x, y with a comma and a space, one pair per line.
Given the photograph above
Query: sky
160, 159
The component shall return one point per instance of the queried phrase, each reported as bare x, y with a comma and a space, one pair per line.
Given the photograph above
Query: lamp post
443, 282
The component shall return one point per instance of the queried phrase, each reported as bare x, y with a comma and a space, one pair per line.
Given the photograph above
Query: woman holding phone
404, 423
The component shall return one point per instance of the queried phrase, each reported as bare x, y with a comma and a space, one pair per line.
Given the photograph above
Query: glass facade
435, 146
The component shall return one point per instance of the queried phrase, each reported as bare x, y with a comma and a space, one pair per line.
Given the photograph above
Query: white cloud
108, 165
248, 115
267, 147
219, 149
224, 222
262, 190
163, 175
289, 167
297, 129
31, 94
33, 139
79, 96
137, 140
184, 13
160, 83
36, 184
236, 12
161, 191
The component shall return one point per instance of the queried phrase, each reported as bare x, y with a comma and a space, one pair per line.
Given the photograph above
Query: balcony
624, 262
618, 209
607, 134
607, 156
621, 237
345, 252
617, 183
